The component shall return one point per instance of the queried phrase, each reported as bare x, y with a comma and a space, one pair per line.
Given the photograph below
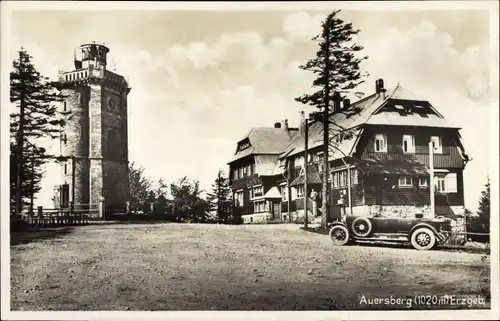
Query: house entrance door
64, 196
276, 210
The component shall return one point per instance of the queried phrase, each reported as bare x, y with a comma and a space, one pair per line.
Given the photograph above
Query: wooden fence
74, 214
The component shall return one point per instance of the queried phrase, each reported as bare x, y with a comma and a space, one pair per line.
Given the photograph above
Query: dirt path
203, 267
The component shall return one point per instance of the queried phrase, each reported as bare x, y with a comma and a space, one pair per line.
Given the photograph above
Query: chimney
277, 125
347, 103
379, 85
337, 100
302, 127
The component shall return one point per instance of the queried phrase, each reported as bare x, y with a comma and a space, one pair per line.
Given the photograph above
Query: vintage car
422, 233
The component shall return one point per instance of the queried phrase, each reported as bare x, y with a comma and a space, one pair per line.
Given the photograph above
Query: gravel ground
224, 267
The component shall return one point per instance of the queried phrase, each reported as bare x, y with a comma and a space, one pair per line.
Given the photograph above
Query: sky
201, 79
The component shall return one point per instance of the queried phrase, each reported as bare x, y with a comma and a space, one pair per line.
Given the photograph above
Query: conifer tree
481, 222
338, 72
219, 197
36, 117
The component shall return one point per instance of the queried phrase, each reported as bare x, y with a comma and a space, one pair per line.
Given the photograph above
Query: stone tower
94, 141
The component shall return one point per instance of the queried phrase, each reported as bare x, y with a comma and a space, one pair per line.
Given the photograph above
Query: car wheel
361, 227
423, 239
339, 235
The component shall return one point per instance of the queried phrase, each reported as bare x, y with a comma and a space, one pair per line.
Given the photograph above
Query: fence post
71, 213
128, 208
102, 214
40, 214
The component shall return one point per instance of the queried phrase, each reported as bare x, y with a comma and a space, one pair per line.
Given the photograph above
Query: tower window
65, 107
65, 168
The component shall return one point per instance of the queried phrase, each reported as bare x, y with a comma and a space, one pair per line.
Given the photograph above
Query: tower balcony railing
75, 75
83, 74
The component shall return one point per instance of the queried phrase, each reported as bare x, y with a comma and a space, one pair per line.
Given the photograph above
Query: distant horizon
196, 89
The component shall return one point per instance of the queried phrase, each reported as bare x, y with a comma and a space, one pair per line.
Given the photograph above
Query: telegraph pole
431, 180
20, 140
306, 138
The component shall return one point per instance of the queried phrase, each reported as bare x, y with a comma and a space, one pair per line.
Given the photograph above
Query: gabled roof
364, 111
428, 120
273, 193
265, 140
355, 115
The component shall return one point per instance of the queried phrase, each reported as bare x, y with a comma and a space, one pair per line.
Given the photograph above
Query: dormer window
243, 145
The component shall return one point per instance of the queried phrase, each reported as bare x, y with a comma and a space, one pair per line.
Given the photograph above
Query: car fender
440, 236
330, 225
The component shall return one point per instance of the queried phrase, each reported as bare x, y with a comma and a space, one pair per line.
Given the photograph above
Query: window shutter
451, 183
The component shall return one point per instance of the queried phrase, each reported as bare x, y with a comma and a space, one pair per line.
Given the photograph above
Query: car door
391, 224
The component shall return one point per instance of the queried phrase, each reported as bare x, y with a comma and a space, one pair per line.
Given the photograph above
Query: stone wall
75, 144
256, 218
115, 185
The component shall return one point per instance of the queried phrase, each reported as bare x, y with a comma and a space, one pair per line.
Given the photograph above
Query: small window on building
259, 207
354, 176
422, 182
238, 198
339, 178
65, 169
65, 106
64, 139
446, 183
300, 191
235, 174
380, 143
408, 144
437, 144
440, 185
256, 191
320, 162
284, 193
405, 181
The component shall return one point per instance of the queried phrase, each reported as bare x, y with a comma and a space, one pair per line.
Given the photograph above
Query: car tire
361, 227
423, 239
339, 235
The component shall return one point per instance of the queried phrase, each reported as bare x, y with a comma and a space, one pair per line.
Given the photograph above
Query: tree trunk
20, 140
324, 191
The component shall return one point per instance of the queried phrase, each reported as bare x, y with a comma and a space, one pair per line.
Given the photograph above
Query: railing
79, 214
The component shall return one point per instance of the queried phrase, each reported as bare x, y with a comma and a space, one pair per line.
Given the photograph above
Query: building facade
94, 141
378, 161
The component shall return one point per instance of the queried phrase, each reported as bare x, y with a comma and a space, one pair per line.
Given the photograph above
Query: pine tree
337, 70
481, 222
484, 204
35, 97
219, 197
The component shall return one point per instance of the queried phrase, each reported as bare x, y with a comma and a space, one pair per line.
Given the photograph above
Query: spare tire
361, 227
